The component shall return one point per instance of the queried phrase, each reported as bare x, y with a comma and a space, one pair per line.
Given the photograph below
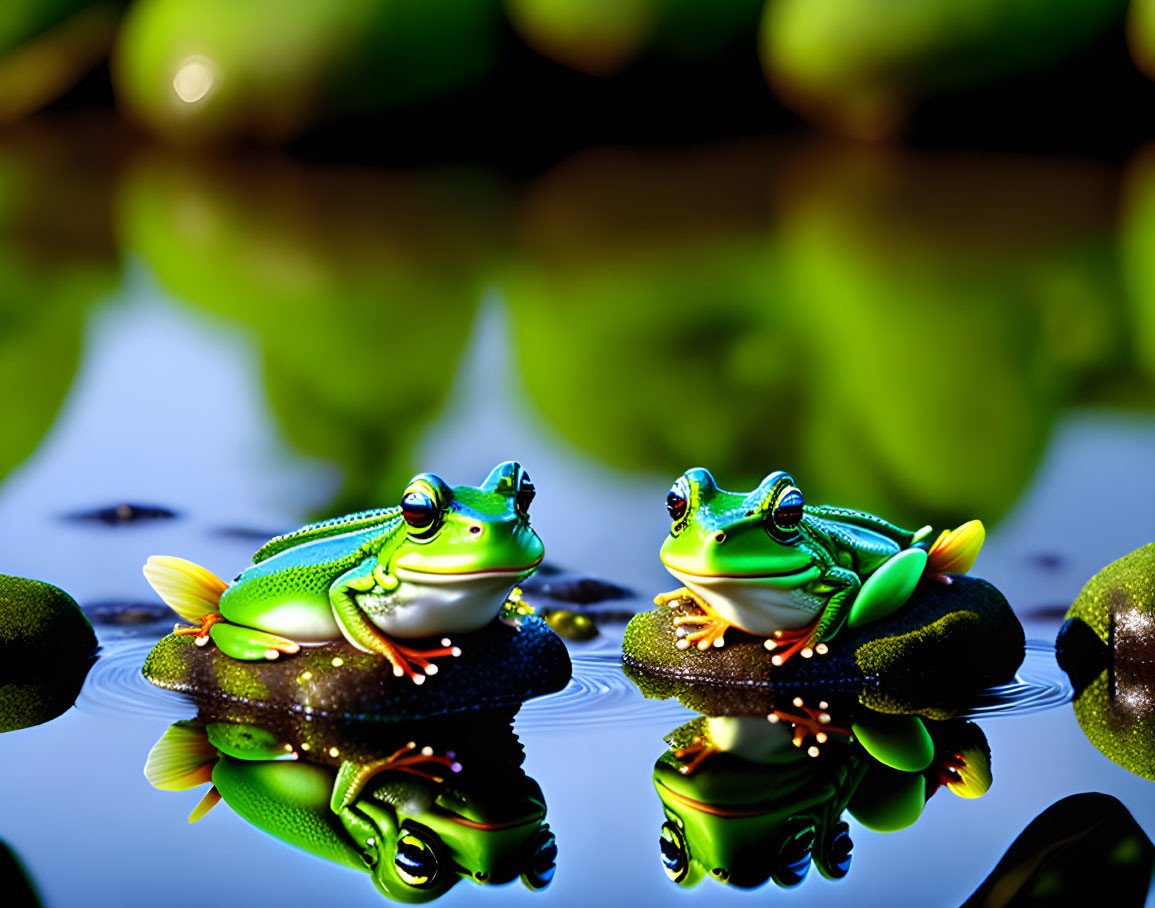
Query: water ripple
115, 686
1039, 685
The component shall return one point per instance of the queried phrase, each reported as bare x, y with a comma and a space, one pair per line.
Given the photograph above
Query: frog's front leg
365, 635
842, 586
712, 626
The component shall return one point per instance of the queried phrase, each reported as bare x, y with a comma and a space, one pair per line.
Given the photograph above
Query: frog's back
308, 568
857, 547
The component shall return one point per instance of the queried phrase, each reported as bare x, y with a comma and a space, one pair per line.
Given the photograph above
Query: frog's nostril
475, 529
720, 537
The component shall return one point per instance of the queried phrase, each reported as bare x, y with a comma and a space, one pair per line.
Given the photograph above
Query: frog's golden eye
416, 860
794, 856
678, 499
786, 513
525, 494
419, 509
675, 855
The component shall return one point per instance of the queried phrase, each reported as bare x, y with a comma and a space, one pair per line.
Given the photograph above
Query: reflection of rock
1068, 854
1107, 646
14, 881
128, 614
578, 590
913, 661
46, 650
499, 666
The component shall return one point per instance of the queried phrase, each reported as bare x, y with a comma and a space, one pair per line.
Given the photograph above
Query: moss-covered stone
46, 649
499, 666
1107, 647
947, 643
1122, 588
39, 619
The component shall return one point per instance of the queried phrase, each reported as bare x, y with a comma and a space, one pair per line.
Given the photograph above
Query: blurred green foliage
57, 259
360, 286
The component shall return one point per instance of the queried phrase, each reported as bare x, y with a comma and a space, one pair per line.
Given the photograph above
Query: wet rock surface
499, 666
947, 643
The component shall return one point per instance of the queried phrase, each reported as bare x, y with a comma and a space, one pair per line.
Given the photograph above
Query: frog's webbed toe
695, 753
802, 641
712, 627
248, 643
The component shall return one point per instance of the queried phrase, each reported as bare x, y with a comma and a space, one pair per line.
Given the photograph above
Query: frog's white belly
757, 605
424, 604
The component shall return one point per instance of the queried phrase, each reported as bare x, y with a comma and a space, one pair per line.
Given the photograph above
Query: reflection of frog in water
747, 800
419, 808
442, 562
766, 563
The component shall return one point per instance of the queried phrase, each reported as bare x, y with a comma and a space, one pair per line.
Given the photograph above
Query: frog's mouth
427, 574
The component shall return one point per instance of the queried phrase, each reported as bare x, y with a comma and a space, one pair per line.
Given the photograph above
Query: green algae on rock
500, 666
46, 650
1107, 647
946, 643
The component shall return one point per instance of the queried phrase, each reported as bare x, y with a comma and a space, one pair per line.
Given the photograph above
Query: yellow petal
954, 552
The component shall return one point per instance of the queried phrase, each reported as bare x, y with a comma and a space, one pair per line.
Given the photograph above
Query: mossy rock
46, 649
38, 619
1107, 647
499, 666
1122, 588
946, 644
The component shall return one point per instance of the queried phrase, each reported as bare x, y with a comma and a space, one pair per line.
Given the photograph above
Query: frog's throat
759, 604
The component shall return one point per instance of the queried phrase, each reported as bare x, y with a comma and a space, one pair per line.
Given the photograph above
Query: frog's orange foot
694, 753
405, 659
802, 641
201, 631
711, 632
808, 724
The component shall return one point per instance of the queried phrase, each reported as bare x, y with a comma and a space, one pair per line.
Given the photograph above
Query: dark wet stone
15, 882
500, 666
945, 645
46, 649
128, 614
1073, 853
1081, 654
578, 590
117, 514
1047, 561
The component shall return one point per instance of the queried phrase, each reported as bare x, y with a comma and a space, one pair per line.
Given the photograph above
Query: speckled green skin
1107, 646
46, 649
946, 644
499, 666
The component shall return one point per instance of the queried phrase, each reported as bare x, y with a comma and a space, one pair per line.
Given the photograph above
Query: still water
931, 337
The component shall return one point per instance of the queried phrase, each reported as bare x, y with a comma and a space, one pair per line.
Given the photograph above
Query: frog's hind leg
887, 589
712, 626
248, 643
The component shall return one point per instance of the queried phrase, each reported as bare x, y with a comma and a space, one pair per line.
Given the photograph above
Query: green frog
770, 565
418, 807
444, 561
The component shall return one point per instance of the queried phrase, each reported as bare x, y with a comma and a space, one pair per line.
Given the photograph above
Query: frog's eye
416, 860
836, 853
794, 856
419, 509
525, 494
675, 855
787, 511
542, 861
677, 500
